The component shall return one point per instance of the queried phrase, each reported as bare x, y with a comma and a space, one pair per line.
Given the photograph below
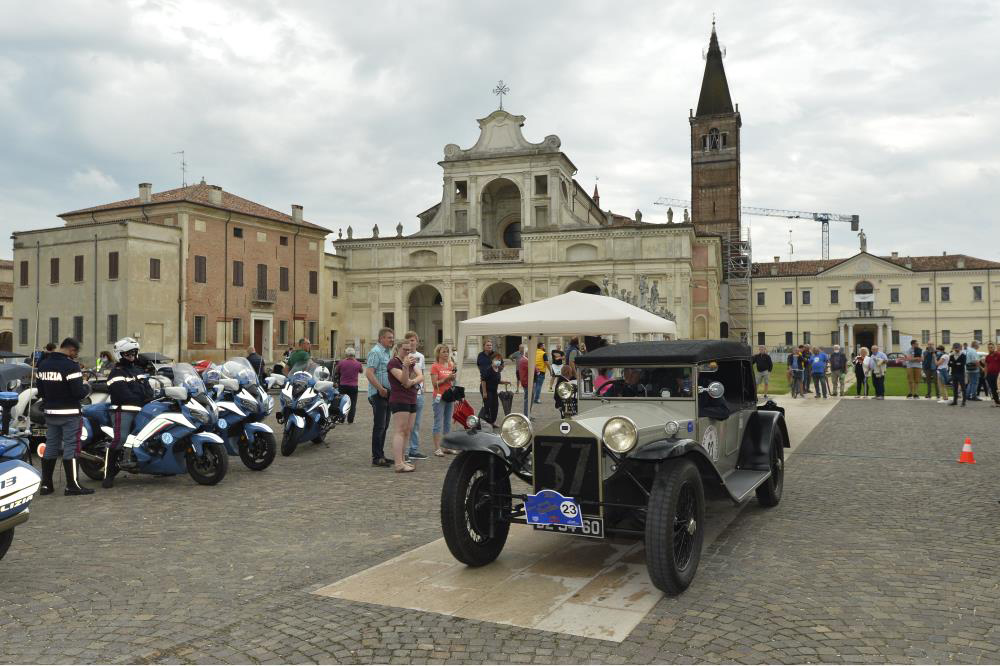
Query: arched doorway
425, 317
700, 329
501, 296
500, 213
585, 286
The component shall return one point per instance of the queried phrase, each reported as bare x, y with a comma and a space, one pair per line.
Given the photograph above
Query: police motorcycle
310, 407
19, 481
243, 405
170, 435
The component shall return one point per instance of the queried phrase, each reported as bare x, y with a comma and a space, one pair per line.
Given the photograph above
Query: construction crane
823, 218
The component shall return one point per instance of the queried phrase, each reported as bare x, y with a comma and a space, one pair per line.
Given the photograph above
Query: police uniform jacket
60, 383
128, 387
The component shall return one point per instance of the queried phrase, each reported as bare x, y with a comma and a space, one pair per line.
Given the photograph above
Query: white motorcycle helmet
126, 345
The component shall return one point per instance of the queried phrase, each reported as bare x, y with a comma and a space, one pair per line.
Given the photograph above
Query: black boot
110, 467
73, 486
48, 468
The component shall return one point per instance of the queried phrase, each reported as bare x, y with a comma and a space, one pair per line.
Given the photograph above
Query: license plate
549, 507
590, 527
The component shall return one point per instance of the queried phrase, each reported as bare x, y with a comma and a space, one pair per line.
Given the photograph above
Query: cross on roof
500, 91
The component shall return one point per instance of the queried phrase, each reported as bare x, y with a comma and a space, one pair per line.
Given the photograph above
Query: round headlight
223, 424
620, 434
472, 422
515, 431
671, 428
566, 390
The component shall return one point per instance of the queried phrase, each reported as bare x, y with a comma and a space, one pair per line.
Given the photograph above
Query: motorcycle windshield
300, 376
239, 368
185, 375
211, 374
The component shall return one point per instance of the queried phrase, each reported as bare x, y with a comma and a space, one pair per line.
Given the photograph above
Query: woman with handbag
443, 373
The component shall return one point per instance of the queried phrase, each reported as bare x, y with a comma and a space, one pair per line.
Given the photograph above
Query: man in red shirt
992, 371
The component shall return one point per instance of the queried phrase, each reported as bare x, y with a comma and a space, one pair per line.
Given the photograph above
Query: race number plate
591, 526
548, 507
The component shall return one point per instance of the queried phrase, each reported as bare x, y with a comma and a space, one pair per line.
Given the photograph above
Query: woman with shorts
403, 381
443, 373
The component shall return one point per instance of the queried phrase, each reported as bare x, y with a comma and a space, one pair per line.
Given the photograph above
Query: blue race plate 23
548, 507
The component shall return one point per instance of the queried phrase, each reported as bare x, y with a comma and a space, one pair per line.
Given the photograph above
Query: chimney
960, 263
145, 193
777, 258
895, 255
944, 253
215, 195
297, 213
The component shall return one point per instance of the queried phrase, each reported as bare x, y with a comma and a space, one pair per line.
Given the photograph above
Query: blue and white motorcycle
243, 405
310, 407
19, 481
170, 435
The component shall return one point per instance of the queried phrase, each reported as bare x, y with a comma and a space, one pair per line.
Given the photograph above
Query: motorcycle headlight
515, 431
620, 434
472, 422
247, 404
223, 424
201, 415
566, 390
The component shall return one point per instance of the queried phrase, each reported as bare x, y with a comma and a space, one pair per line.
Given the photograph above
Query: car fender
755, 449
665, 449
251, 427
477, 440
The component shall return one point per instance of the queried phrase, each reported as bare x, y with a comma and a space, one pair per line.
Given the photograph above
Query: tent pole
530, 351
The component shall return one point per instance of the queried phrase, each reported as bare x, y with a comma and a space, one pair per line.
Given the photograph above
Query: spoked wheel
769, 492
675, 526
258, 453
469, 509
210, 467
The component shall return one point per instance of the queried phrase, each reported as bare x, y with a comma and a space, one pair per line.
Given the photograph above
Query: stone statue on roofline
864, 240
350, 232
687, 218
399, 230
375, 231
670, 216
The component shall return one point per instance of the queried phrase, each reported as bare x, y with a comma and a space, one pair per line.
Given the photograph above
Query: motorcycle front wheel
258, 453
210, 467
288, 443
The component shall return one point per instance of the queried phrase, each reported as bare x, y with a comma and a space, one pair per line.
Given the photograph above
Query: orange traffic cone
967, 456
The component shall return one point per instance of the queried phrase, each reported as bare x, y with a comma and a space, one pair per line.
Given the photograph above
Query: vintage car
659, 423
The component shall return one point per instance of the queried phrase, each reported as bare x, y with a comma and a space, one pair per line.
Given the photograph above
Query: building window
112, 265
312, 332
806, 338
789, 340
112, 328
925, 294
78, 328
806, 297
22, 331
788, 298
283, 240
945, 337
945, 294
237, 326
541, 186
199, 329
54, 270
714, 139
200, 268
335, 288
154, 269
834, 296
894, 294
389, 320
977, 292
461, 190
237, 232
895, 337
760, 298
835, 337
978, 334
24, 273
54, 330
283, 279
283, 332
925, 336
761, 337
237, 273
78, 268
313, 282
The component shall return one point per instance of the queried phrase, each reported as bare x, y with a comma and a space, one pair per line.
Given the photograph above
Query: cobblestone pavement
883, 550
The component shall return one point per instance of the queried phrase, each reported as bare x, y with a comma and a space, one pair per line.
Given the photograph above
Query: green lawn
778, 384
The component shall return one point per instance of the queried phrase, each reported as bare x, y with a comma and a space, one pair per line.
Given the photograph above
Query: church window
461, 190
714, 139
541, 186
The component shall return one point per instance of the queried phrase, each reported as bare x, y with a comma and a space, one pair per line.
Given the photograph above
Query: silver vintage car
645, 429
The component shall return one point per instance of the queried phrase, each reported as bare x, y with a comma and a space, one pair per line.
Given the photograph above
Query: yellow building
866, 299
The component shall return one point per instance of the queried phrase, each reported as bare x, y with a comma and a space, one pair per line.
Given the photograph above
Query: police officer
60, 384
129, 389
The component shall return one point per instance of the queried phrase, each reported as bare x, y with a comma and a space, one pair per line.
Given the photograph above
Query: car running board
741, 482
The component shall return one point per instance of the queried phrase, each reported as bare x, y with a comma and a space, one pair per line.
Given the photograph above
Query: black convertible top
665, 351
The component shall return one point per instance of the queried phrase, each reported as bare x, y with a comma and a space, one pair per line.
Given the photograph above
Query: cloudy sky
888, 110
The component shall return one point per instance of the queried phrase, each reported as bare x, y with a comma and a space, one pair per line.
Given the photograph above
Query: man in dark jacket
838, 369
762, 367
129, 390
61, 387
928, 364
256, 362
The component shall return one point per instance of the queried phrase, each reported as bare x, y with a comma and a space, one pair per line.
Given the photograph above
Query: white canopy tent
572, 313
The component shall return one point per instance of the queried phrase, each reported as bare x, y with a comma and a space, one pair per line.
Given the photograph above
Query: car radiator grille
571, 466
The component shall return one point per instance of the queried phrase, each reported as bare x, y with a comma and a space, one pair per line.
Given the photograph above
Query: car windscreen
626, 383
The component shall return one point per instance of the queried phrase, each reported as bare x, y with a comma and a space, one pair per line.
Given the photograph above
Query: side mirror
716, 390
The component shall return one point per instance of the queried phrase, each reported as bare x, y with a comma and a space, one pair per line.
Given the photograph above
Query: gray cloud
887, 111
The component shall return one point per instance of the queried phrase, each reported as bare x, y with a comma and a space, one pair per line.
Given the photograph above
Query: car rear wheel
769, 492
474, 533
675, 526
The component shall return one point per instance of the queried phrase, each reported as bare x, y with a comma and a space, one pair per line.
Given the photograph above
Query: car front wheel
769, 492
675, 527
469, 506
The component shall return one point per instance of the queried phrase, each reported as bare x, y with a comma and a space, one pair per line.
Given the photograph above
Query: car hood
648, 415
